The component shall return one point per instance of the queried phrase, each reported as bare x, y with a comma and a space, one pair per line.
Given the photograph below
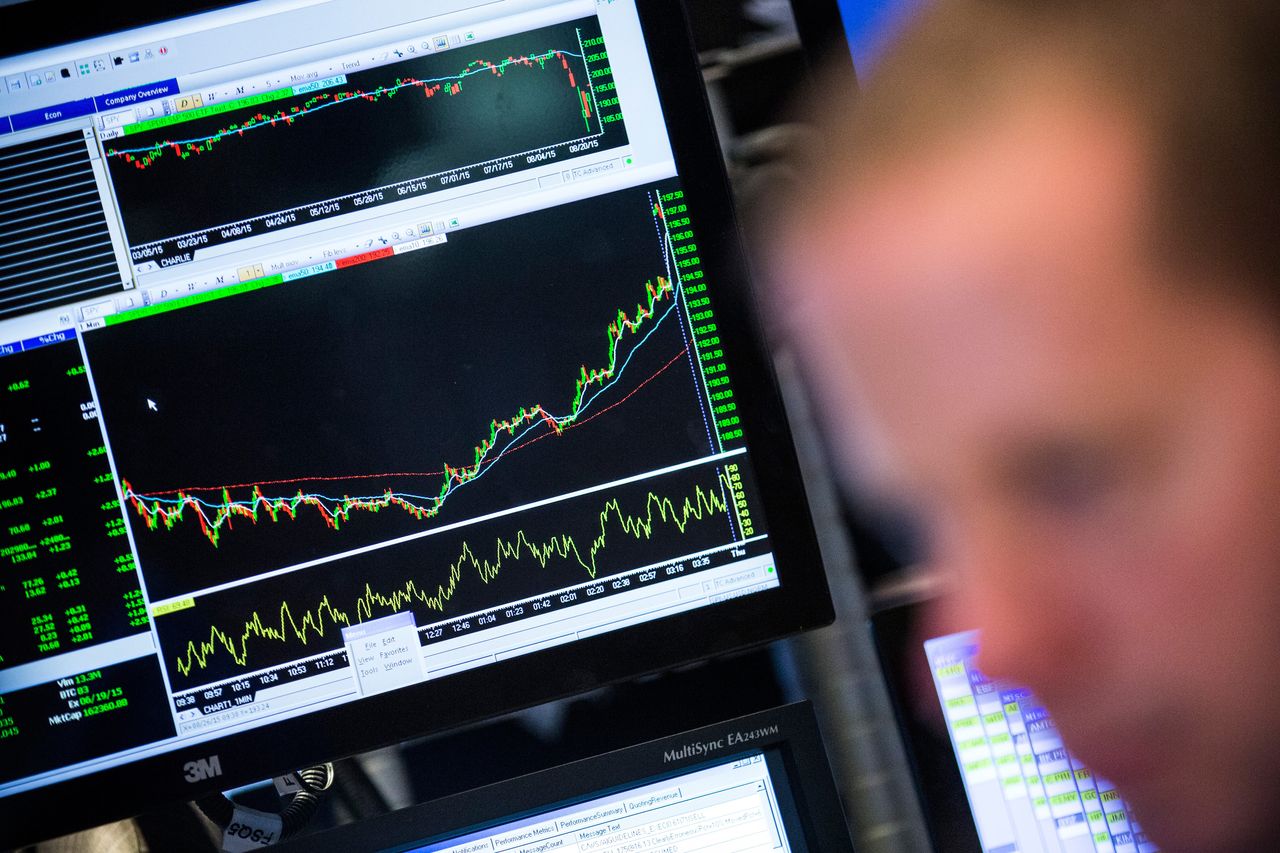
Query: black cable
315, 781
294, 816
355, 790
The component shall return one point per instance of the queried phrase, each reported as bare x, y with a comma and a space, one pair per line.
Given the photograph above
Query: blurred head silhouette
1034, 273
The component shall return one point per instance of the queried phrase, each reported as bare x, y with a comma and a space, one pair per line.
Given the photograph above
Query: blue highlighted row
59, 337
87, 106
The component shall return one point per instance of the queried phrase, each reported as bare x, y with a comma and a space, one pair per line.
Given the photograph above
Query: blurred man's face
1092, 443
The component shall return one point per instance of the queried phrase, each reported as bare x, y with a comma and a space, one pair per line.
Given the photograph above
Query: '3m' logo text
202, 768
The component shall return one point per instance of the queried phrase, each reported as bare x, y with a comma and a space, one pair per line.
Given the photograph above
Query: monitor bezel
793, 735
898, 632
800, 602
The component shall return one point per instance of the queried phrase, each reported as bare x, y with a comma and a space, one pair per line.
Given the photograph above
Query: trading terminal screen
1026, 792
344, 350
728, 806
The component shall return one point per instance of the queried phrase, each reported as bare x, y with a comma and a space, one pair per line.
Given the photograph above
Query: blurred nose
1019, 597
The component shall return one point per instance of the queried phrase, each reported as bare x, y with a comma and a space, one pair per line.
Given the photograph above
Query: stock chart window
345, 351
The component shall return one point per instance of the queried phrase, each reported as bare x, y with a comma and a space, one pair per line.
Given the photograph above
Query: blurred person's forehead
1027, 176
1001, 276
1037, 207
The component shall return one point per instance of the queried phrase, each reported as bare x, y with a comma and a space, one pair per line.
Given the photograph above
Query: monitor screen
758, 783
1026, 792
366, 368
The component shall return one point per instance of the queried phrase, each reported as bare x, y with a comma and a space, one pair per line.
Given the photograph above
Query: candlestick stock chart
274, 159
538, 402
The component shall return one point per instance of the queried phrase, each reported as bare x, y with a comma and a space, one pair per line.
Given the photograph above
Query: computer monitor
757, 783
1025, 790
366, 368
991, 768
